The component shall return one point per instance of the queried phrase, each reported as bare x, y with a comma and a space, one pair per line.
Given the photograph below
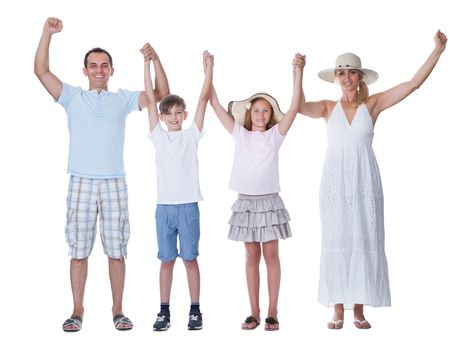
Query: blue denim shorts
177, 220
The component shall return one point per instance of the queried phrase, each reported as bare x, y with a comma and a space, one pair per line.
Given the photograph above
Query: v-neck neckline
345, 114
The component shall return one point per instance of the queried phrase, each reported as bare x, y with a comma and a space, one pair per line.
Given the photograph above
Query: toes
335, 324
364, 324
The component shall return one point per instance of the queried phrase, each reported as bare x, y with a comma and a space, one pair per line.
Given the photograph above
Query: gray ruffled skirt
260, 218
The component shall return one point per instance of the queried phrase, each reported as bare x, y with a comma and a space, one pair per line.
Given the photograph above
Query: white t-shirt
255, 166
176, 159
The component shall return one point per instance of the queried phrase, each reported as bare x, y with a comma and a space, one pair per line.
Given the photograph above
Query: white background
422, 146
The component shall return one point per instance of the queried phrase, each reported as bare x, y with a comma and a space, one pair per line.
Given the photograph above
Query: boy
177, 213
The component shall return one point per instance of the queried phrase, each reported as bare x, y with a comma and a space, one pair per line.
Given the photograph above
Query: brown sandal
271, 324
250, 323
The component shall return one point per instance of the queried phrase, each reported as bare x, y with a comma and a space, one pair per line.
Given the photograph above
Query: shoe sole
162, 329
195, 328
71, 330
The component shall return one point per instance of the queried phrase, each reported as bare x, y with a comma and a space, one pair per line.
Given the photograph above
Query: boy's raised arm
208, 63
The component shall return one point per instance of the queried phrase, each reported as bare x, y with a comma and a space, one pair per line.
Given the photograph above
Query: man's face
98, 71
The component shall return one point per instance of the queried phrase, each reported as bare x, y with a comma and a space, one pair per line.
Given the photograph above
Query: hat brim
237, 109
369, 75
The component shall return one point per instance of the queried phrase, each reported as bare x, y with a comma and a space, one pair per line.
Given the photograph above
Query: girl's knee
270, 252
272, 258
253, 252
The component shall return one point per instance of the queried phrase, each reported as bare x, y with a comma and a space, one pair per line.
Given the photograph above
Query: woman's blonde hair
363, 92
248, 119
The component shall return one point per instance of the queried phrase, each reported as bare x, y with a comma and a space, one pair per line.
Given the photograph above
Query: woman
354, 269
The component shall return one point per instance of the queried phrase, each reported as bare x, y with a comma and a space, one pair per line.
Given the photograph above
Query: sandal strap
251, 319
120, 320
336, 322
360, 322
271, 320
75, 321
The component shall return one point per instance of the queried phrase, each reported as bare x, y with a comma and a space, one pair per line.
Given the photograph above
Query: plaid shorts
89, 198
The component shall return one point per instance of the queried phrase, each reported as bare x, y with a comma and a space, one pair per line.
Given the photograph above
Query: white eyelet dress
353, 266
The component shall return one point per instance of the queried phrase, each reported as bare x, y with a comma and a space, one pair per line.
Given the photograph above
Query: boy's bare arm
208, 63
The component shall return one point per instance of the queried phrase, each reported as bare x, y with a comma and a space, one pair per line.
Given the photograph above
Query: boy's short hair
169, 101
97, 50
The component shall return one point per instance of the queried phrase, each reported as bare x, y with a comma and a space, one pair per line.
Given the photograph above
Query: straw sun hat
348, 60
238, 108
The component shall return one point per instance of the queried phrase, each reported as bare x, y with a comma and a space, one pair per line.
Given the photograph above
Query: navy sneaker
195, 320
162, 323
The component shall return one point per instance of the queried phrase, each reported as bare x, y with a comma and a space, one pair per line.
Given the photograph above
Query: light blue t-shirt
96, 124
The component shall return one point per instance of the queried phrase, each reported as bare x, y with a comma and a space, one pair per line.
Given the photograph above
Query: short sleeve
196, 134
67, 93
278, 137
236, 131
131, 99
155, 132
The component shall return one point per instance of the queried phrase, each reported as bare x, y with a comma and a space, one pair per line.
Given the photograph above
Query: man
97, 187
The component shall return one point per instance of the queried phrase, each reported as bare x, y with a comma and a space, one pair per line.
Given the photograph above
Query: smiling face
261, 113
349, 79
98, 71
174, 117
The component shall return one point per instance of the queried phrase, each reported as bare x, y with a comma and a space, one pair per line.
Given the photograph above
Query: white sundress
353, 266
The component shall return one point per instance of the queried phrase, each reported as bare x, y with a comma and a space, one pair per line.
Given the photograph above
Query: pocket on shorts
192, 211
71, 228
192, 217
125, 229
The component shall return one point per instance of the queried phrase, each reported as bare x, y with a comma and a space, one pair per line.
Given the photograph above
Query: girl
259, 217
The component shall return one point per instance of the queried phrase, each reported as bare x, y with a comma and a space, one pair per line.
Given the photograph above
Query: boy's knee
167, 264
190, 263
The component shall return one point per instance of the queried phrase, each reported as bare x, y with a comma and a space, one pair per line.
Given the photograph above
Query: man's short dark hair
97, 50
